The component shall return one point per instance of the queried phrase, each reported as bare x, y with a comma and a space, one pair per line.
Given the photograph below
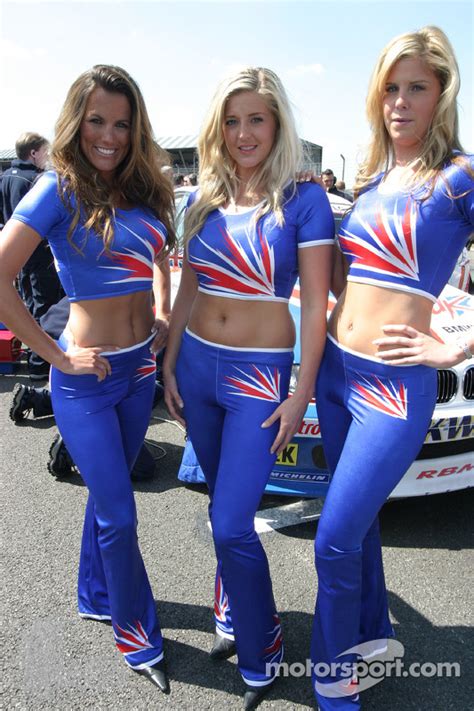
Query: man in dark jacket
329, 183
38, 282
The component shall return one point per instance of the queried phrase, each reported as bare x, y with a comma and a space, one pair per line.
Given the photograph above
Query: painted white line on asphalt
289, 515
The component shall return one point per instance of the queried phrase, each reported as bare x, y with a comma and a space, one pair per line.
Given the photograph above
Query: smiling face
105, 131
411, 94
249, 132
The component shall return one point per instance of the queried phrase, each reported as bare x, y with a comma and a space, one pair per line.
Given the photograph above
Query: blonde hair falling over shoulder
430, 45
218, 181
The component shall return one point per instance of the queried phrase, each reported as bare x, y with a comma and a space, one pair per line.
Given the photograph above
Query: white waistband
238, 348
64, 338
131, 348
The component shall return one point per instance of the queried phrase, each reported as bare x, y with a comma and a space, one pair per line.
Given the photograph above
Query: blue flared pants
103, 425
374, 418
227, 394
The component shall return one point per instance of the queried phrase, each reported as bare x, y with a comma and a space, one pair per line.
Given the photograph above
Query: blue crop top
235, 257
95, 273
398, 241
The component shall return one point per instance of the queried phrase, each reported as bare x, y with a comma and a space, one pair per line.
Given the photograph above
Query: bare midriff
240, 323
363, 309
121, 321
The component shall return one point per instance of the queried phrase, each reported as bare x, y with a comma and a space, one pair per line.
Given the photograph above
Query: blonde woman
376, 387
107, 212
250, 230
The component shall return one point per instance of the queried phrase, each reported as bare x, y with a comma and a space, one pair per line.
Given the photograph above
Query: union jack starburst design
262, 386
391, 247
388, 397
456, 305
147, 368
135, 639
238, 270
273, 651
175, 261
221, 604
134, 265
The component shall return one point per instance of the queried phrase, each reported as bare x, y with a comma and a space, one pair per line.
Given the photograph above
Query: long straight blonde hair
430, 45
218, 180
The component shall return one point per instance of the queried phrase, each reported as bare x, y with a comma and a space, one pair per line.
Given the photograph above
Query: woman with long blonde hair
249, 230
376, 388
106, 210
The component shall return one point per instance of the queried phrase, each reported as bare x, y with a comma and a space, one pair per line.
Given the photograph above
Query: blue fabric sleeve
42, 208
462, 185
191, 198
315, 222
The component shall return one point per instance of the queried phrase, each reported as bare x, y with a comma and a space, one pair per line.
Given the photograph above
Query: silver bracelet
464, 347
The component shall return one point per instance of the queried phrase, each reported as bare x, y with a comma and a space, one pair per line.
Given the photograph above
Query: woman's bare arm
179, 318
17, 244
315, 265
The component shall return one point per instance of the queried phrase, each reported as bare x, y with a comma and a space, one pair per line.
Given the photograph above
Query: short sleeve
191, 198
315, 221
41, 208
463, 190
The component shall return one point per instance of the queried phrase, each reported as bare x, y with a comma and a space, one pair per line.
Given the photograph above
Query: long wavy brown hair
138, 180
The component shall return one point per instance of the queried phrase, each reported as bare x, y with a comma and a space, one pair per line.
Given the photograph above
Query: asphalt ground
54, 660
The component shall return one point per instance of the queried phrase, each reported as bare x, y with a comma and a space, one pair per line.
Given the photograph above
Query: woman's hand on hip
173, 399
405, 345
290, 413
87, 361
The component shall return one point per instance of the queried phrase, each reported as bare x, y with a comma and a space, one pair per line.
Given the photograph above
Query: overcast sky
324, 51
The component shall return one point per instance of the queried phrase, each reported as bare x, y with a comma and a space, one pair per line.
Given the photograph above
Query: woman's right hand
308, 176
87, 361
173, 399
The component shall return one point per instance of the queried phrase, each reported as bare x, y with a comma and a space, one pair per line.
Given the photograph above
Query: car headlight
295, 371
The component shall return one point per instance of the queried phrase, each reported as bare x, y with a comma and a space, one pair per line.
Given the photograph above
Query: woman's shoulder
304, 194
49, 185
372, 184
458, 173
192, 197
310, 190
43, 193
460, 164
48, 181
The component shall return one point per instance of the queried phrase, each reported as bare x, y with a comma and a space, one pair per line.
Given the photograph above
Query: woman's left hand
290, 413
160, 328
404, 345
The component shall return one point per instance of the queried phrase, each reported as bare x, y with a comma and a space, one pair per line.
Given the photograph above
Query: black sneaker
60, 463
22, 403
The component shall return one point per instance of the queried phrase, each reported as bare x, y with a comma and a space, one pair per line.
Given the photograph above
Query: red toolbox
10, 350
